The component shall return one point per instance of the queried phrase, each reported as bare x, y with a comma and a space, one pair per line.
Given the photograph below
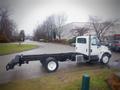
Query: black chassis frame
22, 59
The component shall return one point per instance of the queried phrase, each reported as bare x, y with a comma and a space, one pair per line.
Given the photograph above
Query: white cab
84, 44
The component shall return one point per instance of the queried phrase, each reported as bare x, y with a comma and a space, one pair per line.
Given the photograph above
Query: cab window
81, 40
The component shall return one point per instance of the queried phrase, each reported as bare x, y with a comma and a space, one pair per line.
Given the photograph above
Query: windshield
95, 41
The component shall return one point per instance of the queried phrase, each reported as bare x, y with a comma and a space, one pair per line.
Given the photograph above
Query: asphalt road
34, 69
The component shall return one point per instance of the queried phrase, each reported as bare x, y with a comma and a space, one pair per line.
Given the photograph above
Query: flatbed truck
88, 49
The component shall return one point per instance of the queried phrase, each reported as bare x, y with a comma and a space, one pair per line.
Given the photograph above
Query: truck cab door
94, 46
81, 45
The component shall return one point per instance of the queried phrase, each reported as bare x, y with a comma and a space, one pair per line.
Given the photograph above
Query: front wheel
105, 59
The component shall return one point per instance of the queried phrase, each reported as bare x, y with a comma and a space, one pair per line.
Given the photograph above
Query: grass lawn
13, 48
62, 81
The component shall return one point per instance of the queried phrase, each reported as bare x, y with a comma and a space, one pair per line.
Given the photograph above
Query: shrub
70, 41
3, 39
62, 41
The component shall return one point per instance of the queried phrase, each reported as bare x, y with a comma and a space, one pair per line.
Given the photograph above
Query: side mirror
94, 44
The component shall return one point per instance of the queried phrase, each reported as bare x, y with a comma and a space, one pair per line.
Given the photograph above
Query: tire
51, 64
105, 59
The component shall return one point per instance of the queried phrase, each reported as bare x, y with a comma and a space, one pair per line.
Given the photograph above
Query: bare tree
46, 30
101, 27
60, 22
40, 32
51, 28
7, 26
79, 31
54, 26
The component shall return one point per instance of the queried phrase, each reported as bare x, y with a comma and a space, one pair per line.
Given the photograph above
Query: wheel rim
105, 59
52, 65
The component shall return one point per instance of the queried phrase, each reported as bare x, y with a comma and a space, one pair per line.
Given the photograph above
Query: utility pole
89, 51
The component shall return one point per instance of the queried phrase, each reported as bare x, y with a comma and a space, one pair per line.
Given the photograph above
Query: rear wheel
51, 64
105, 59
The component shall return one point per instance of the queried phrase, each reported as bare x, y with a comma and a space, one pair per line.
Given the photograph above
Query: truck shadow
69, 67
92, 65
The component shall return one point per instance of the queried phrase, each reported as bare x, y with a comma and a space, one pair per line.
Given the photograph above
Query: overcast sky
29, 13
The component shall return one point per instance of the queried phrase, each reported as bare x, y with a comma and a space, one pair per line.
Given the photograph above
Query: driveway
34, 69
